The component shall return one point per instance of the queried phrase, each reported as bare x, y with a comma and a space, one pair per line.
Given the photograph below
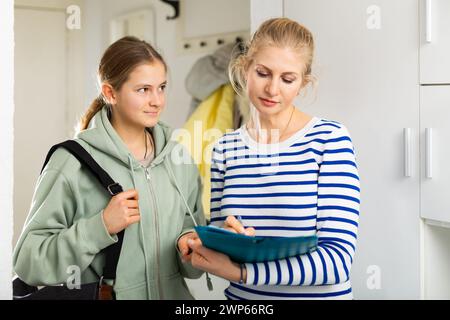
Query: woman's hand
122, 210
186, 252
234, 225
214, 262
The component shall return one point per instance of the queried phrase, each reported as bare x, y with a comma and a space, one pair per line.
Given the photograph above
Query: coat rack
212, 42
176, 6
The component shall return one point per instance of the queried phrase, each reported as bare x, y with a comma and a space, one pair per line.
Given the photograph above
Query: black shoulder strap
113, 188
86, 160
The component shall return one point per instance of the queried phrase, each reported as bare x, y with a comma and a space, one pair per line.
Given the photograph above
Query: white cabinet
435, 109
435, 138
434, 144
436, 262
367, 66
380, 77
434, 41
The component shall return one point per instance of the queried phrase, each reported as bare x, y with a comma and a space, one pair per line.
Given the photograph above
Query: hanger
176, 6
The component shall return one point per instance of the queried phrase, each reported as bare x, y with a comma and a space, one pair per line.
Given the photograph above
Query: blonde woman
284, 173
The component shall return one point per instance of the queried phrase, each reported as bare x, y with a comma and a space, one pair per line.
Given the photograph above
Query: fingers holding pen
234, 224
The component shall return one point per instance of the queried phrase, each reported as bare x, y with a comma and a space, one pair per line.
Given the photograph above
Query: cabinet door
435, 137
434, 41
367, 66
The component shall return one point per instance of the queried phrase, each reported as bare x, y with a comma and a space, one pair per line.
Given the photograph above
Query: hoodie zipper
158, 280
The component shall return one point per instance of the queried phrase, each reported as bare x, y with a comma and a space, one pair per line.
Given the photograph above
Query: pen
239, 218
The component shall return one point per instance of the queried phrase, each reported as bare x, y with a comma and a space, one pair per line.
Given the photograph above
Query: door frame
75, 54
6, 144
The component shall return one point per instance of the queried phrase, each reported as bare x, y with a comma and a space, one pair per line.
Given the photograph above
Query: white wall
262, 10
205, 17
51, 58
6, 144
98, 13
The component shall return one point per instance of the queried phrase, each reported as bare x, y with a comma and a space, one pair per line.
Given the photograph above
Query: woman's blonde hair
118, 61
279, 32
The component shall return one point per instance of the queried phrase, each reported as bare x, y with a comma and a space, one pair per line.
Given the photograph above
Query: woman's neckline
286, 143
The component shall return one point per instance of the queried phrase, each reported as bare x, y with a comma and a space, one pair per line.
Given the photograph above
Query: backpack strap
113, 251
86, 160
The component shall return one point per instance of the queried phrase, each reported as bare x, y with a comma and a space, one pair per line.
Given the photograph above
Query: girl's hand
186, 252
234, 225
122, 210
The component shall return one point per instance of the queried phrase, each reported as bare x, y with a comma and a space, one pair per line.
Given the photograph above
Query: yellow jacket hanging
210, 120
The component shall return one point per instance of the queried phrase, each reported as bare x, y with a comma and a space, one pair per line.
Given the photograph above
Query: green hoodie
65, 231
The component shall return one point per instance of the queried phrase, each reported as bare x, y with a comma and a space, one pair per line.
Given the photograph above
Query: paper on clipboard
242, 248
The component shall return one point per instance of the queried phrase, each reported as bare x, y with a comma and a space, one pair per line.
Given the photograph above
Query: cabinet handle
407, 145
428, 19
429, 152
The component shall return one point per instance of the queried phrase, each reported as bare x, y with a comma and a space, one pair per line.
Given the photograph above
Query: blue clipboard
242, 248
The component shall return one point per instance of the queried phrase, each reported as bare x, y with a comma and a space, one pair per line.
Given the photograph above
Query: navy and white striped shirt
305, 185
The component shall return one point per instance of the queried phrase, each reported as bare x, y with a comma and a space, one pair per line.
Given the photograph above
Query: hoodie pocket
175, 288
135, 292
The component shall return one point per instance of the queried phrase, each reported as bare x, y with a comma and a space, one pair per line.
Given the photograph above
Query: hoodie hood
101, 135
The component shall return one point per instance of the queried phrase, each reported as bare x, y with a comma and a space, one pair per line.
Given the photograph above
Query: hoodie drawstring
130, 162
174, 180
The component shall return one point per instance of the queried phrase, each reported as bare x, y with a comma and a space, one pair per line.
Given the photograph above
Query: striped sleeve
337, 224
217, 181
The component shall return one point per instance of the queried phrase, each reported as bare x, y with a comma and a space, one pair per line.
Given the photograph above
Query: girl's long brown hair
118, 61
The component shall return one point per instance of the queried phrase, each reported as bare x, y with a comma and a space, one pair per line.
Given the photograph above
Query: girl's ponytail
95, 107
